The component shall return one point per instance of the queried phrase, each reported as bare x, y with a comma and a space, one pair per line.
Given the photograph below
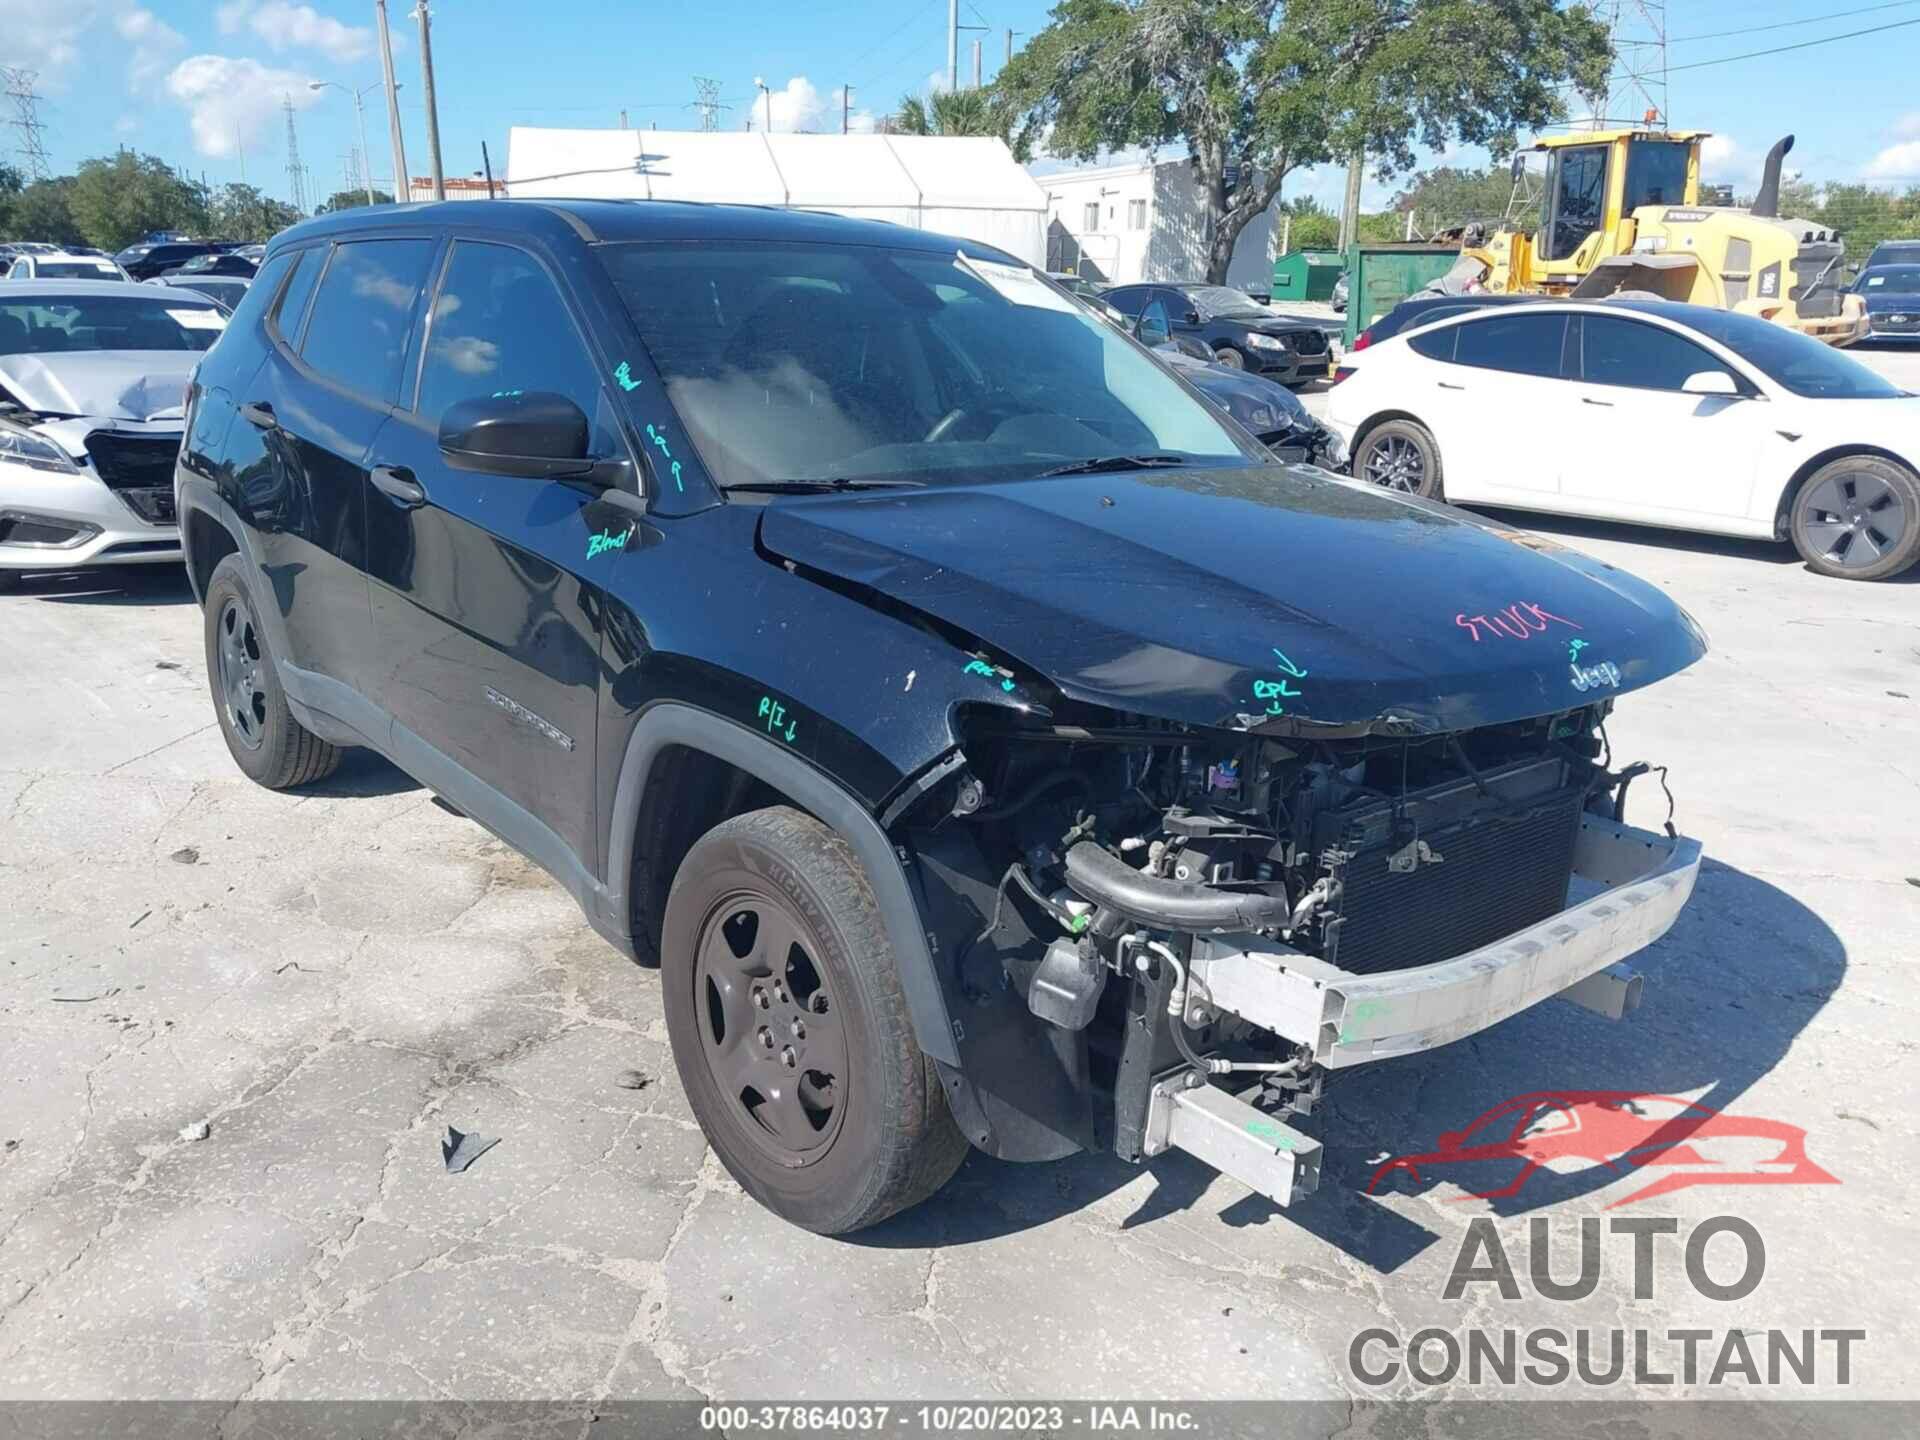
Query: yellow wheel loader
1620, 212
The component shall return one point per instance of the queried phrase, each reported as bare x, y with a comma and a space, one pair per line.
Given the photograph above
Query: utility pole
623, 119
402, 183
953, 44
706, 103
433, 114
766, 91
1009, 45
1350, 210
26, 120
1638, 31
846, 107
976, 64
296, 172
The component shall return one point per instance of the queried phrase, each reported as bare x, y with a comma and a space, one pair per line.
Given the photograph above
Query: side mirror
531, 433
1710, 382
1151, 330
1191, 347
1192, 317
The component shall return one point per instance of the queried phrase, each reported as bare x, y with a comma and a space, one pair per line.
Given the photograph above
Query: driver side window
1155, 327
499, 324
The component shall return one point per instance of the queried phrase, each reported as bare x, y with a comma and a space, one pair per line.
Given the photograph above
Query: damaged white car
93, 378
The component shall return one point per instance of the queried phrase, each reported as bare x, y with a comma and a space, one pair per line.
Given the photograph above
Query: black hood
1260, 597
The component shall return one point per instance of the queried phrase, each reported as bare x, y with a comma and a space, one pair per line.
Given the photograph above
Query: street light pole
359, 110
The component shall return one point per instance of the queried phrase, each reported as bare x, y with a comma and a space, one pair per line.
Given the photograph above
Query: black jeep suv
962, 715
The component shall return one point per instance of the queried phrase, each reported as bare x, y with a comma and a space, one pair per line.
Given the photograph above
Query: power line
1789, 24
1803, 45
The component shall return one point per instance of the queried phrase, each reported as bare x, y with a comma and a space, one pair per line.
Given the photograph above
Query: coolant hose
1099, 875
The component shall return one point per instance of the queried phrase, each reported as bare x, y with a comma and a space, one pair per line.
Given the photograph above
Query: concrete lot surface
325, 981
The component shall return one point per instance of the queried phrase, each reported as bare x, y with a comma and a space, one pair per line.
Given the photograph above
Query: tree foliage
1863, 215
44, 211
349, 200
949, 112
243, 212
1256, 89
118, 198
1448, 195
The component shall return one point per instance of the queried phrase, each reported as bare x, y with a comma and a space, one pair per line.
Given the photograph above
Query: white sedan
1650, 412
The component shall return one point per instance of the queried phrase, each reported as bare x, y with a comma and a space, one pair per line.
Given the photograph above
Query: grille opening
139, 469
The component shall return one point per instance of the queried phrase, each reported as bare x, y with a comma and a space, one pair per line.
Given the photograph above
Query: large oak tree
1256, 89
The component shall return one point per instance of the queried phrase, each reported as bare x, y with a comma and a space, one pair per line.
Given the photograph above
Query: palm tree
948, 112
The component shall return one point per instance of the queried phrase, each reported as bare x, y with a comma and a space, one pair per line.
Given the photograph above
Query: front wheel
1231, 358
790, 1028
1400, 455
266, 742
1858, 518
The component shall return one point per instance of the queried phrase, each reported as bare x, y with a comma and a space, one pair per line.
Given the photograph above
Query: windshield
816, 362
1891, 280
1219, 302
59, 324
1798, 362
73, 270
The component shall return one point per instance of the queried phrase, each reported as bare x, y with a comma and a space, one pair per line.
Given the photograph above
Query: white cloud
231, 102
799, 106
1908, 125
1896, 162
151, 47
44, 38
285, 26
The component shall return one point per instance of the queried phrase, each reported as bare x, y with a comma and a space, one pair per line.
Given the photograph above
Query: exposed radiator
1483, 873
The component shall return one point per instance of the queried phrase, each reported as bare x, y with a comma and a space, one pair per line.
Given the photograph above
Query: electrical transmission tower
26, 121
1637, 87
707, 102
296, 172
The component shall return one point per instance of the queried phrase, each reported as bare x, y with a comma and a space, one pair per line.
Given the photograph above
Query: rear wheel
790, 1027
1858, 518
1400, 455
273, 748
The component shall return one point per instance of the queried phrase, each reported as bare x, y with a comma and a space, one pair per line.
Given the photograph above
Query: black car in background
148, 259
1242, 333
1429, 310
219, 262
1892, 295
224, 290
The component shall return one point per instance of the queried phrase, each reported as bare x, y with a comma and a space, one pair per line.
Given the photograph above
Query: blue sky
201, 84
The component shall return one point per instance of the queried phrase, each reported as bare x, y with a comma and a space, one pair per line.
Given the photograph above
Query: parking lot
234, 1026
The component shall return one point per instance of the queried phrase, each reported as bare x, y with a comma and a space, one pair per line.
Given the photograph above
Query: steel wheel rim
1229, 357
240, 672
770, 1028
1854, 519
1395, 463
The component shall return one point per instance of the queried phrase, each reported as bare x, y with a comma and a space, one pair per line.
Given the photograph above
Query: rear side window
292, 308
1519, 344
1435, 344
363, 314
248, 305
500, 324
1129, 300
1625, 352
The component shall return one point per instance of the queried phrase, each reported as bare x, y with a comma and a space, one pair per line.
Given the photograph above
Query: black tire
9, 580
1230, 357
1400, 455
877, 1137
1858, 518
266, 742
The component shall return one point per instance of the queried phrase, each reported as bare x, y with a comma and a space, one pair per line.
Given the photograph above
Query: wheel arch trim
669, 723
1808, 468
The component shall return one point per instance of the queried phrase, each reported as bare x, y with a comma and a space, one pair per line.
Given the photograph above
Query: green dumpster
1306, 274
1379, 277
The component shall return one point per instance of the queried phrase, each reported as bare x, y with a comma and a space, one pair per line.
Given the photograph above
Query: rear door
1501, 407
1640, 448
488, 638
320, 400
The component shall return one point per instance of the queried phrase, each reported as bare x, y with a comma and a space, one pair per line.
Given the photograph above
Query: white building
962, 186
1144, 221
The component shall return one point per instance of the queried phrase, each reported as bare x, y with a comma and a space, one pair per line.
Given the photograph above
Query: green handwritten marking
1574, 647
981, 668
660, 441
625, 376
607, 540
1273, 691
1268, 1131
1291, 668
775, 716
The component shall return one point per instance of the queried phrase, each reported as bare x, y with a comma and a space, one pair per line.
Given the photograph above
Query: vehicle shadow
362, 775
111, 585
1743, 971
1573, 529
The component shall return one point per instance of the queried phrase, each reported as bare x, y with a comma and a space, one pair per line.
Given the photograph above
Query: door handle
259, 413
398, 483
1589, 400
1445, 385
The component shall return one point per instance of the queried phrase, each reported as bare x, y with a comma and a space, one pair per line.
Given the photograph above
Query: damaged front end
1172, 934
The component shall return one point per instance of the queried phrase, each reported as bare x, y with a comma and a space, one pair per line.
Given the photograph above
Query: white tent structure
966, 186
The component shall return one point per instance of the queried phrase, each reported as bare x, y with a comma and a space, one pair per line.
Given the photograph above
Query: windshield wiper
1115, 462
823, 487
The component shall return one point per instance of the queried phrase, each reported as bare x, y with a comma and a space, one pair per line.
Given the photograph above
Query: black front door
486, 633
